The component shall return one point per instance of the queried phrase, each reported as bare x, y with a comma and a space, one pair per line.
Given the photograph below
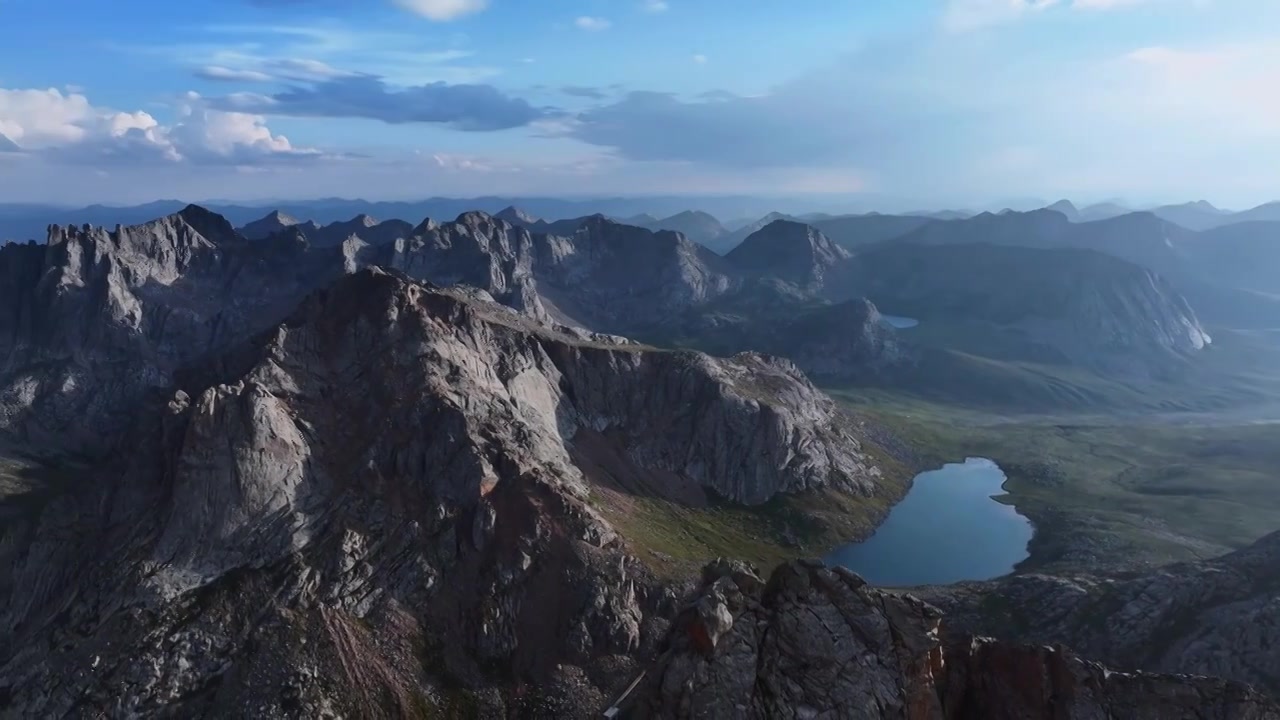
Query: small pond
948, 528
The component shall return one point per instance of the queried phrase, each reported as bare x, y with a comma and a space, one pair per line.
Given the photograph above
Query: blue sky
899, 102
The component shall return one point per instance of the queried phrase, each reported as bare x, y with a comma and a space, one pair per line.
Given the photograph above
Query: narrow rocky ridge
1217, 617
815, 642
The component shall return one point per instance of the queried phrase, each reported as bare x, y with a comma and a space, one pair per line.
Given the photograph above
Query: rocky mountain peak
273, 222
1066, 207
517, 217
792, 251
280, 217
427, 225
210, 224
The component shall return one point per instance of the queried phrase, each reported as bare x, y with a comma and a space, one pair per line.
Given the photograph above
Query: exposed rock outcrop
1220, 617
830, 342
814, 642
107, 316
1078, 306
381, 507
791, 251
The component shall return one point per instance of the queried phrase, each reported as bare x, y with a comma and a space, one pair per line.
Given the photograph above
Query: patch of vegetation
1105, 492
677, 540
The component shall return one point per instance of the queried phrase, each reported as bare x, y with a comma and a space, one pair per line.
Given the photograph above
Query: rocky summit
383, 505
791, 251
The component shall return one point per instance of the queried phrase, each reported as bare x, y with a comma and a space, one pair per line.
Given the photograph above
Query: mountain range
378, 469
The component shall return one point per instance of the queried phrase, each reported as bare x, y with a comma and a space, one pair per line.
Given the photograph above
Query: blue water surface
947, 529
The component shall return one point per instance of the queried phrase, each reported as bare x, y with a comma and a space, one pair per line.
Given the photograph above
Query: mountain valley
486, 467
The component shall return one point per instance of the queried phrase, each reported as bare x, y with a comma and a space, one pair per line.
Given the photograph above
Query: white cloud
217, 72
965, 15
1214, 87
700, 59
592, 24
69, 128
655, 6
443, 10
303, 69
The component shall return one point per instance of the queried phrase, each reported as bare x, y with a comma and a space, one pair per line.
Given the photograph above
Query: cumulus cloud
468, 107
592, 24
67, 127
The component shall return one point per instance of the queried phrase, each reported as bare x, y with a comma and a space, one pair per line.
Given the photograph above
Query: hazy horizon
893, 105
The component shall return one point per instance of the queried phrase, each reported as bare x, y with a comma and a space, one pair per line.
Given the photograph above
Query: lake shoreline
956, 523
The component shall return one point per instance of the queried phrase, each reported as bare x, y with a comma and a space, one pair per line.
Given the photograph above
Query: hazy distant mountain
28, 221
1089, 308
516, 216
1244, 255
696, 225
1097, 211
520, 218
734, 238
275, 222
1270, 212
1139, 237
1102, 211
361, 226
1066, 208
641, 220
815, 217
1226, 273
1198, 215
853, 231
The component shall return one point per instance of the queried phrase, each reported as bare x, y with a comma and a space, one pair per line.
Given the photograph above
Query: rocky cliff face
818, 643
838, 342
1220, 617
1088, 308
112, 314
790, 251
381, 507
